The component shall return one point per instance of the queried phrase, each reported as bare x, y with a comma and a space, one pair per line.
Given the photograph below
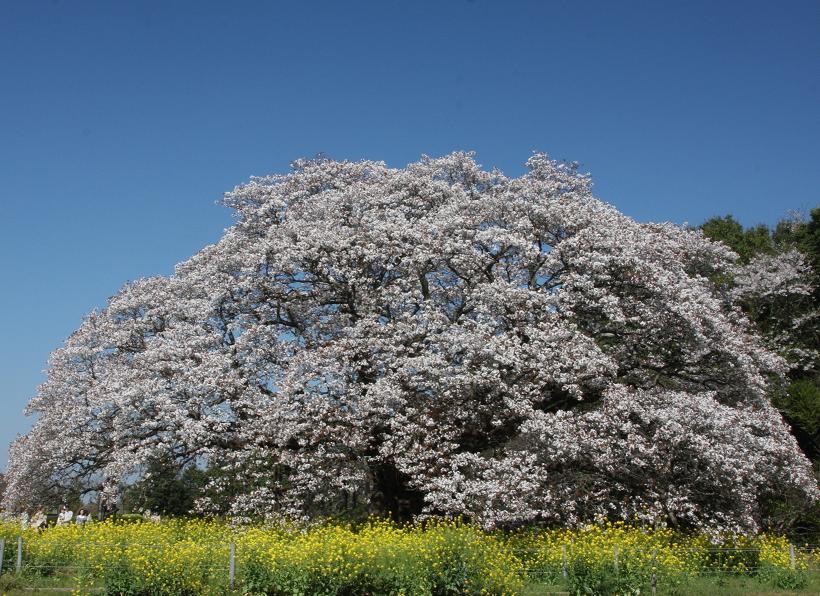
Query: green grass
729, 587
701, 586
741, 586
11, 585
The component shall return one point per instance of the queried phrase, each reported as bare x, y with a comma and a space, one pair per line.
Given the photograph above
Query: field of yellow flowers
182, 557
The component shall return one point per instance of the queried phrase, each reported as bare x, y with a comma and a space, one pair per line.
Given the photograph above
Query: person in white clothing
64, 518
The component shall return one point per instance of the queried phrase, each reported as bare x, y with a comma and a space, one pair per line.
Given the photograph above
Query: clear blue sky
121, 123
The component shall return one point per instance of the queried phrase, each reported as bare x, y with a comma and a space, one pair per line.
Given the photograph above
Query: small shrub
785, 578
594, 578
10, 583
119, 580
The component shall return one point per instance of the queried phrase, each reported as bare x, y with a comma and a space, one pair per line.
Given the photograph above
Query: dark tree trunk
393, 496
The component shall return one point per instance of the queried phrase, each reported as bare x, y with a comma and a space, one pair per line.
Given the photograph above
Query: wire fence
643, 571
227, 565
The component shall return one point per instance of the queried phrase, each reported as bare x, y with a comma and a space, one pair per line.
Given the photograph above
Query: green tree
168, 488
745, 242
802, 234
789, 322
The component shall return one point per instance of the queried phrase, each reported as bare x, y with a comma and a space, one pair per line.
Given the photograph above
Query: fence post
2, 553
654, 575
232, 565
791, 557
615, 553
564, 561
19, 567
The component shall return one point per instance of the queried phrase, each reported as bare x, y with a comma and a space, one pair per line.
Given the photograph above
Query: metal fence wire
548, 564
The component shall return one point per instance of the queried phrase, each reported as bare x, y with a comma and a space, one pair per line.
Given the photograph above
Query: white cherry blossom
436, 339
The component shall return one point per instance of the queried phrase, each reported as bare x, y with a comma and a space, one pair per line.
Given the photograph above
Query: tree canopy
777, 286
437, 339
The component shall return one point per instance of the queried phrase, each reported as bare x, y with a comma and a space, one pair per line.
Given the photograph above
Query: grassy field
706, 586
702, 586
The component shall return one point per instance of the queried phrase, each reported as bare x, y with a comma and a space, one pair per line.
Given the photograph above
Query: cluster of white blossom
778, 290
437, 339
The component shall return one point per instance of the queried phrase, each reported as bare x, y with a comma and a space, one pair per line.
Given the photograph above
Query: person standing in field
39, 520
83, 517
64, 518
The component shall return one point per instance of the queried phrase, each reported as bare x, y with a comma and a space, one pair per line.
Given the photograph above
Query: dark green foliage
804, 235
786, 579
800, 404
127, 518
745, 242
792, 317
595, 578
167, 488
